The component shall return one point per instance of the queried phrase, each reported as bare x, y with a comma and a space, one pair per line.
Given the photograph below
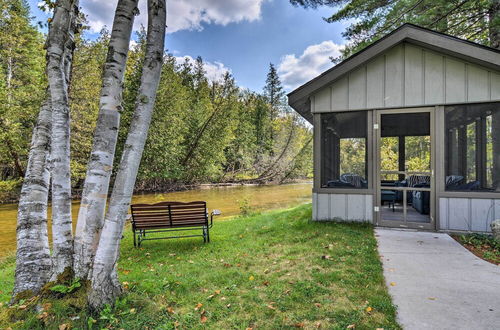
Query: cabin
407, 134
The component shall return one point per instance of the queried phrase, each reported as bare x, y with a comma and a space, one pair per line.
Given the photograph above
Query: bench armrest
214, 213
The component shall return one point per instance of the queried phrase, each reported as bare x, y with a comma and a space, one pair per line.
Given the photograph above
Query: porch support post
495, 134
401, 156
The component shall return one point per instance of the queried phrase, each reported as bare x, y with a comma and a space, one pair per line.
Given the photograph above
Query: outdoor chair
167, 217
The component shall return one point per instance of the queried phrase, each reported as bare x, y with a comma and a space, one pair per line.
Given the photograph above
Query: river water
226, 199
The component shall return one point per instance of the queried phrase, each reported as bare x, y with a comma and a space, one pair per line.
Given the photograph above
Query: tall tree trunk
33, 263
60, 41
105, 286
95, 190
494, 19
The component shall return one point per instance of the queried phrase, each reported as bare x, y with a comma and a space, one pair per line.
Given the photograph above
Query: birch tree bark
59, 43
95, 190
33, 263
104, 287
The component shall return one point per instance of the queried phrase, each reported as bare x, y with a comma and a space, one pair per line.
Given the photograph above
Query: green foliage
22, 85
69, 288
202, 131
266, 271
372, 19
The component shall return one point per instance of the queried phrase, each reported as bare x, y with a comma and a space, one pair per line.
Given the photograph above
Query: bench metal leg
135, 244
208, 235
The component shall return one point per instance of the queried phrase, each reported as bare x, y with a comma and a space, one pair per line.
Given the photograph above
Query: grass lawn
270, 271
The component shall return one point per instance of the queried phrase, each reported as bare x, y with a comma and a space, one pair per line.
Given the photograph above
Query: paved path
437, 284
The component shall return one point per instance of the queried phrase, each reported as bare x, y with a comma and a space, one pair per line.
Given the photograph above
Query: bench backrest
169, 215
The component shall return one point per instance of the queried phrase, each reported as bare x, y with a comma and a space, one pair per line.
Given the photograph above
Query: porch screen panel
472, 147
344, 150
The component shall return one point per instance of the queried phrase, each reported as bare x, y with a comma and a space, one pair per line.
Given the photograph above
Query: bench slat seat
170, 217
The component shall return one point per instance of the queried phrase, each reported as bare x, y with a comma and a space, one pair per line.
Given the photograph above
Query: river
225, 199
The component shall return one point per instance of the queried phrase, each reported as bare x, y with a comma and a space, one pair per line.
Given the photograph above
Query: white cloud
295, 71
214, 70
181, 14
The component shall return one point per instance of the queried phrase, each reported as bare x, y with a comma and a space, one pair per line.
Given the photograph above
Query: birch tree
99, 168
33, 261
104, 287
59, 53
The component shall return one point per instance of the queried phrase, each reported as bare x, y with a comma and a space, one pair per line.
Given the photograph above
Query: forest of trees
202, 131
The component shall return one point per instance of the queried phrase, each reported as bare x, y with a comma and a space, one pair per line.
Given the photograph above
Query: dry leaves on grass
203, 317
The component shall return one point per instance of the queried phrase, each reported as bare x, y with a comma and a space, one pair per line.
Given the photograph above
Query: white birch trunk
95, 191
33, 263
104, 286
59, 43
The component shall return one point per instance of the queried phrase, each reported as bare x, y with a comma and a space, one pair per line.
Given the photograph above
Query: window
472, 146
344, 150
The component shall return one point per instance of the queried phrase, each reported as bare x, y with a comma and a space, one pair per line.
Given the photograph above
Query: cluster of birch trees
76, 124
92, 252
203, 130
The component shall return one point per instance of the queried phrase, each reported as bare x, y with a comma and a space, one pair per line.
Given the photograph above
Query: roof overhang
299, 99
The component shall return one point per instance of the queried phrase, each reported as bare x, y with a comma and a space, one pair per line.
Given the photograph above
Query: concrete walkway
438, 284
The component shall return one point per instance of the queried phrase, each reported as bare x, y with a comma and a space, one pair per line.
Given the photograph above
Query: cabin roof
299, 99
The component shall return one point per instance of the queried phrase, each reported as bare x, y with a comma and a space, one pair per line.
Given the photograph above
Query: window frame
443, 145
318, 156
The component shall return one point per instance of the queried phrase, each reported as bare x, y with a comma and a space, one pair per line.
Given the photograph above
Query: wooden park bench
166, 217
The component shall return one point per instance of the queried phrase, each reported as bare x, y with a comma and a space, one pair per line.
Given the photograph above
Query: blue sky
242, 36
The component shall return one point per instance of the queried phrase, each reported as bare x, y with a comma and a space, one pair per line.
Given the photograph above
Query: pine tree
477, 21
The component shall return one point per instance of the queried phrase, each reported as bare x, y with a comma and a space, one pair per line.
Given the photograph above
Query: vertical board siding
340, 94
322, 100
409, 75
477, 84
394, 77
357, 88
433, 78
414, 75
494, 86
468, 214
347, 207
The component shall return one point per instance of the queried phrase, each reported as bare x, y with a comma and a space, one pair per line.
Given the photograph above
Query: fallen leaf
170, 310
271, 307
126, 271
317, 305
47, 306
22, 307
203, 319
132, 311
227, 265
351, 326
228, 305
266, 283
326, 257
266, 271
318, 325
369, 309
198, 306
432, 298
379, 329
211, 296
223, 298
217, 291
64, 326
393, 283
191, 261
42, 316
299, 325
251, 278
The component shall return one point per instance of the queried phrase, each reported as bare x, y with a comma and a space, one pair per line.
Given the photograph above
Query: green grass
273, 270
